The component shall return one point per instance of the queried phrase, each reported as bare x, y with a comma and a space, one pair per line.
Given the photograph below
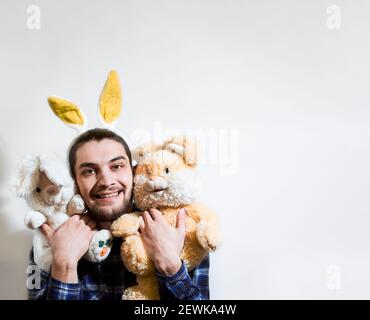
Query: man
100, 162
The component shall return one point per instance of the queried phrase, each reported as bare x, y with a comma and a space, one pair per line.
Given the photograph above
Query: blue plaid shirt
107, 280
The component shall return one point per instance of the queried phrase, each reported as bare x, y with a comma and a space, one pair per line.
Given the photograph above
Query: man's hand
68, 244
162, 242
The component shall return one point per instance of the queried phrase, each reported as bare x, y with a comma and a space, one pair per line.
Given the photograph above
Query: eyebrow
117, 158
91, 164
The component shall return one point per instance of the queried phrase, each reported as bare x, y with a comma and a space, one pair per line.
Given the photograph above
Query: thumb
47, 231
180, 222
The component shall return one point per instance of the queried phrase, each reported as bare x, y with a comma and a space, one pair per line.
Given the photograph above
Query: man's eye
117, 166
88, 172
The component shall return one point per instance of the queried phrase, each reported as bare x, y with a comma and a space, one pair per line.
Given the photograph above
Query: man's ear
185, 146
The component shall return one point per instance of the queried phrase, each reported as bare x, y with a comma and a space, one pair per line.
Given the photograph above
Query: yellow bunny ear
110, 103
68, 112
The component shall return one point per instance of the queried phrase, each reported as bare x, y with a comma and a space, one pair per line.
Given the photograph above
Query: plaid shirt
107, 280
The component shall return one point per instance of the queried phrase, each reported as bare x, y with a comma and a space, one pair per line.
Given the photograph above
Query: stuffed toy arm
207, 228
126, 225
208, 235
34, 219
76, 205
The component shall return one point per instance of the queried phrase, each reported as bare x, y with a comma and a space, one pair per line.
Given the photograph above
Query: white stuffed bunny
44, 182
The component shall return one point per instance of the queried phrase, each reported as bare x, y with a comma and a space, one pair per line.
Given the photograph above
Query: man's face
104, 178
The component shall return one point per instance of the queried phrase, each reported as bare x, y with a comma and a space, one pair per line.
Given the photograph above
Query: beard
108, 213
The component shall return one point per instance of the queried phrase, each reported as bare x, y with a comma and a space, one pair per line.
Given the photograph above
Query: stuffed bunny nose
52, 194
52, 190
157, 183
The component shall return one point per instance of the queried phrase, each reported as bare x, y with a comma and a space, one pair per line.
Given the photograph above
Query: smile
107, 195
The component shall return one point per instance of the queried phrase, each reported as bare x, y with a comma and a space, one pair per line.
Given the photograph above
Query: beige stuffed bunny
165, 179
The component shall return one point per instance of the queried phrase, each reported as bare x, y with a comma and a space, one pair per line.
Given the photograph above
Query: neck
108, 223
104, 224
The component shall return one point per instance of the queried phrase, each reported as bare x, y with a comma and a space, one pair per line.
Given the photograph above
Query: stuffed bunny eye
38, 189
166, 170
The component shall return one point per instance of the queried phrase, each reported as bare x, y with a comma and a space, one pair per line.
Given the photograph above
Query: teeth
111, 195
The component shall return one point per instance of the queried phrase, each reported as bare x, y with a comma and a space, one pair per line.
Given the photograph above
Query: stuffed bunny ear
110, 102
69, 113
55, 169
185, 146
23, 183
139, 153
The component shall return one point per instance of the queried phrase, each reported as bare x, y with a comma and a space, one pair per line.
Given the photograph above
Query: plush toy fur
50, 176
165, 179
44, 182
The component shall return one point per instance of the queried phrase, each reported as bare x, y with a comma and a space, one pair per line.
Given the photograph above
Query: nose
52, 191
105, 178
157, 183
52, 194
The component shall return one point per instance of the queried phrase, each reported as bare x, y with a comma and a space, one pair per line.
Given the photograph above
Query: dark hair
96, 134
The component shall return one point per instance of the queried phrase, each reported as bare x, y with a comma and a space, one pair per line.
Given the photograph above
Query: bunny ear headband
109, 108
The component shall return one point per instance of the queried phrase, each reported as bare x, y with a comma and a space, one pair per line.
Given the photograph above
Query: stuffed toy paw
100, 246
34, 219
76, 205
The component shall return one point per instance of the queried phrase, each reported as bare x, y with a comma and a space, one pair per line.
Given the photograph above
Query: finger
147, 218
76, 217
156, 214
180, 222
152, 213
141, 224
47, 231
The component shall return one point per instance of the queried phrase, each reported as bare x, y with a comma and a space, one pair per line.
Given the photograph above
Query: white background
295, 211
